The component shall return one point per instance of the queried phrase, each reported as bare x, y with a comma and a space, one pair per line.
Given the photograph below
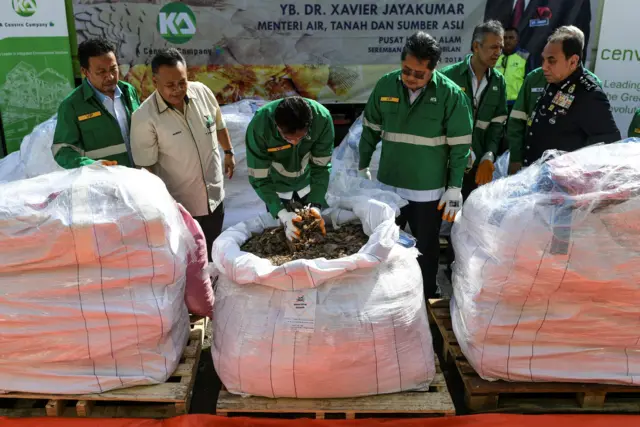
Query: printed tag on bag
300, 310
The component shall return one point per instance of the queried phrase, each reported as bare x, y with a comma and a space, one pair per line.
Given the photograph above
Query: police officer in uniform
573, 111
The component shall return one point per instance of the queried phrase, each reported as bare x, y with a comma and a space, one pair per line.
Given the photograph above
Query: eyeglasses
417, 74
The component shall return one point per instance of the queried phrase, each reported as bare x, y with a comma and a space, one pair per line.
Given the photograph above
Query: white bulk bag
241, 200
322, 328
92, 279
546, 278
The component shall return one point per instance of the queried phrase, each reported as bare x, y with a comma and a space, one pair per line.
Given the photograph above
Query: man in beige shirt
175, 135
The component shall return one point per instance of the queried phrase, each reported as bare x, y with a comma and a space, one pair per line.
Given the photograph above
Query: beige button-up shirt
182, 149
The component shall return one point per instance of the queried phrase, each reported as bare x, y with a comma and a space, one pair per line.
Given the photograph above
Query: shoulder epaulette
588, 82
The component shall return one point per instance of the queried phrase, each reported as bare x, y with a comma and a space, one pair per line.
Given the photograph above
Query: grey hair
489, 27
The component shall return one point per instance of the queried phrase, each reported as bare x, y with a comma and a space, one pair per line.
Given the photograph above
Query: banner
35, 64
618, 61
332, 51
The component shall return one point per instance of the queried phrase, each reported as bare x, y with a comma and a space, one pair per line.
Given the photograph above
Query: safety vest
513, 68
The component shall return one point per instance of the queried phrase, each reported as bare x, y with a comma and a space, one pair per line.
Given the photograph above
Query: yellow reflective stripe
57, 147
482, 124
520, 115
499, 119
282, 171
370, 125
321, 161
258, 173
413, 139
459, 140
106, 152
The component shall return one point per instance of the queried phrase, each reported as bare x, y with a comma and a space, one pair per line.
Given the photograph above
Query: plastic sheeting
322, 328
35, 156
546, 279
241, 201
92, 280
12, 168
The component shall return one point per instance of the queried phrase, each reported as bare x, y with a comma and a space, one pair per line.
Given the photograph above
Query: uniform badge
84, 117
208, 121
572, 88
495, 88
389, 99
552, 120
530, 121
563, 100
434, 100
552, 107
280, 148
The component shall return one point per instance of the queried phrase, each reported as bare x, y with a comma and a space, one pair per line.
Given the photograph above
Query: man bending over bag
289, 146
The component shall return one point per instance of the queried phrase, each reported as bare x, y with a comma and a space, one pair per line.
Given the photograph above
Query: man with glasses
289, 146
424, 122
486, 92
94, 120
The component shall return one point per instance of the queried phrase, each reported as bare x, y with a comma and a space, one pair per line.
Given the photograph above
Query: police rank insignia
572, 88
563, 100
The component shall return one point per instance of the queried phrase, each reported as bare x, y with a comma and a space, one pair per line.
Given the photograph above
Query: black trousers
425, 219
468, 185
211, 226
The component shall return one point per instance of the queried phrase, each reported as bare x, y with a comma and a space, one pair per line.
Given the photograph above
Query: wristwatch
230, 152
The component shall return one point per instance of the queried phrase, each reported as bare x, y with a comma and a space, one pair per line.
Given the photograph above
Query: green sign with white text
35, 65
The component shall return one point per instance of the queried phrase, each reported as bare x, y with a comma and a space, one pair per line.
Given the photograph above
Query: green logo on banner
24, 7
176, 23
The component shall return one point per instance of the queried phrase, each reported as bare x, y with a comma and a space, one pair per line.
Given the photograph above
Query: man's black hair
423, 47
489, 27
92, 48
514, 29
167, 57
571, 38
293, 114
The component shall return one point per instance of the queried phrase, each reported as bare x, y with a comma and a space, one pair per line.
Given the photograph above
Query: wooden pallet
153, 401
524, 397
433, 403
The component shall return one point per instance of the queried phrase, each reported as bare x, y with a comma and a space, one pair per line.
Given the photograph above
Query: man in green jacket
634, 127
424, 122
486, 92
289, 146
533, 86
94, 119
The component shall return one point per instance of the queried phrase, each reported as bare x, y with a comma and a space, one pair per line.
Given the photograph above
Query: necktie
518, 11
